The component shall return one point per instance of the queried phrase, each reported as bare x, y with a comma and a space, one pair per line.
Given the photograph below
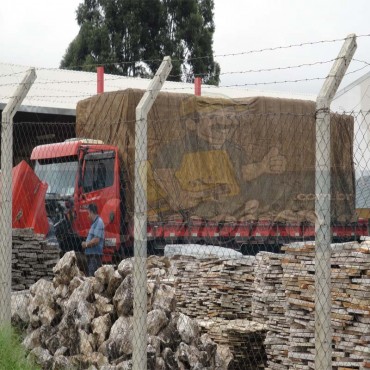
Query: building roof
352, 85
57, 91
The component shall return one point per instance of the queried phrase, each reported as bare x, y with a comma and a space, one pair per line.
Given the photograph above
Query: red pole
100, 81
198, 86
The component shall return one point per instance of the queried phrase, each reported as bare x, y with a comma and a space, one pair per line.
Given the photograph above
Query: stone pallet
213, 287
33, 258
350, 268
243, 337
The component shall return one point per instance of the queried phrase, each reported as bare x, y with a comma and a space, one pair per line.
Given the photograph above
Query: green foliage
119, 33
12, 354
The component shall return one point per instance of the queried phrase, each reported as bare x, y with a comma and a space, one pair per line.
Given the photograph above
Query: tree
131, 37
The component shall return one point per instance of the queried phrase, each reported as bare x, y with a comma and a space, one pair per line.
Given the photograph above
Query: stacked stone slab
298, 281
351, 305
215, 287
218, 293
244, 339
33, 258
269, 307
350, 266
87, 322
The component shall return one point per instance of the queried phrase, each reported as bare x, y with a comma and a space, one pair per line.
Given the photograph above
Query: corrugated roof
57, 91
352, 85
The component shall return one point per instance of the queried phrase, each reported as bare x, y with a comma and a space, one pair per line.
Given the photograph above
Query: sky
38, 32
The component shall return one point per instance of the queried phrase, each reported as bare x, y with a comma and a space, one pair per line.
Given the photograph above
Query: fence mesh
230, 235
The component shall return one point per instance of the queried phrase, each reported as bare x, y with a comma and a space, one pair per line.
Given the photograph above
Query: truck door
99, 184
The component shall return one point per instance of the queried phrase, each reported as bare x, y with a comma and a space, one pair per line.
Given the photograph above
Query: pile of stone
350, 269
269, 307
81, 322
242, 339
214, 287
33, 258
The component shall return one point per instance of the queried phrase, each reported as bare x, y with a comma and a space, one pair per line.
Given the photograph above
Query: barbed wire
204, 74
357, 70
241, 53
216, 89
13, 74
310, 43
260, 83
66, 93
186, 88
267, 69
179, 88
288, 46
231, 72
361, 61
119, 77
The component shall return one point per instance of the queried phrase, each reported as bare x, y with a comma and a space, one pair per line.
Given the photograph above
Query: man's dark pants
94, 261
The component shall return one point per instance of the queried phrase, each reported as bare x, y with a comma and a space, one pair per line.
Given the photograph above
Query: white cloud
252, 25
37, 32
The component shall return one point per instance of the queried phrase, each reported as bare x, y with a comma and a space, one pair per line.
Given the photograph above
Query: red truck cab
79, 172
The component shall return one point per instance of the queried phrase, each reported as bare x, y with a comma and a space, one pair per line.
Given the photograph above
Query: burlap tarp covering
225, 159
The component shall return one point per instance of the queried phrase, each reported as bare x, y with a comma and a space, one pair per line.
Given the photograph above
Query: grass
12, 354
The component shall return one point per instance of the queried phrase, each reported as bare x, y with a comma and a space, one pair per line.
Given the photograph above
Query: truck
233, 172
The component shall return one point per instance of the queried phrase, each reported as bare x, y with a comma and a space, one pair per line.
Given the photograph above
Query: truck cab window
59, 173
98, 171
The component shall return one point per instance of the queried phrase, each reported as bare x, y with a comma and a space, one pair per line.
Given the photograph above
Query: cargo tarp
225, 159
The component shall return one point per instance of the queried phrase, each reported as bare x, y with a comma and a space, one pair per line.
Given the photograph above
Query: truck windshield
59, 173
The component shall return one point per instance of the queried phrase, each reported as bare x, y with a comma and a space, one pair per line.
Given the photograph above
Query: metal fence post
323, 332
139, 356
6, 194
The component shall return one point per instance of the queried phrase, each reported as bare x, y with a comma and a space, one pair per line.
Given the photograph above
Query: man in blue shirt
93, 245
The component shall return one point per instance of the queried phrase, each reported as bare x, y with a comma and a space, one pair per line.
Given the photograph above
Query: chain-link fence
229, 225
